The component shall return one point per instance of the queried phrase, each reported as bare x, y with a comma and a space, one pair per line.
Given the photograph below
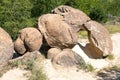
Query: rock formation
6, 47
29, 39
99, 38
74, 17
67, 58
57, 33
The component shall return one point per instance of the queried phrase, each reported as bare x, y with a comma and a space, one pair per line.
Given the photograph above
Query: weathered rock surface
92, 52
19, 46
57, 33
53, 52
99, 38
28, 56
74, 17
29, 39
67, 58
6, 47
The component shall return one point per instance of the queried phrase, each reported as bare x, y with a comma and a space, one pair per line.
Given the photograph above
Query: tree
45, 6
15, 15
114, 7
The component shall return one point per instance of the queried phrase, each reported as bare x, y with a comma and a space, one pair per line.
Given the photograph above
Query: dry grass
32, 65
113, 28
82, 34
37, 72
110, 56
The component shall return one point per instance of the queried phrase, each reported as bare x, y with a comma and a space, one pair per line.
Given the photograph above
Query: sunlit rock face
6, 47
56, 31
29, 39
74, 17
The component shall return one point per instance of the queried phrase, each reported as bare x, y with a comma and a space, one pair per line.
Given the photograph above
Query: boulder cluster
58, 30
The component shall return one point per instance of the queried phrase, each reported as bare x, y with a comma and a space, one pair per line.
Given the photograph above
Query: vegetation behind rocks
16, 15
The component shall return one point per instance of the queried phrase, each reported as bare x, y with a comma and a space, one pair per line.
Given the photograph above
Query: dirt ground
73, 73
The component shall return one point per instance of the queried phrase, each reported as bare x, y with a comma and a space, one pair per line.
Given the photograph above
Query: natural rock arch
99, 38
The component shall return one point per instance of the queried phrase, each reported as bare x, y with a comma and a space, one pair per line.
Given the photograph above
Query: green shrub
82, 34
110, 56
18, 14
15, 15
37, 72
98, 14
86, 67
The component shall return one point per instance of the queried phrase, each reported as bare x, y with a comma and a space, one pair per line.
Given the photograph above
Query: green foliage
110, 56
82, 34
18, 14
93, 8
90, 67
98, 14
86, 67
45, 6
114, 7
15, 15
37, 73
117, 68
33, 65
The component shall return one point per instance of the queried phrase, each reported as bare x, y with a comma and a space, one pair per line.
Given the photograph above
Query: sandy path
66, 74
15, 74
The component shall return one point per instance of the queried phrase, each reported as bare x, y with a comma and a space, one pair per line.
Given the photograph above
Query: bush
86, 67
114, 7
18, 14
110, 56
15, 15
93, 8
98, 14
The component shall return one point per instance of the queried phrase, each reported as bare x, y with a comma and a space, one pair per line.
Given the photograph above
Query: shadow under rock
16, 55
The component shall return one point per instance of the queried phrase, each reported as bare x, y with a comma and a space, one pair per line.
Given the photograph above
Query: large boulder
6, 47
99, 38
74, 17
67, 58
57, 33
29, 39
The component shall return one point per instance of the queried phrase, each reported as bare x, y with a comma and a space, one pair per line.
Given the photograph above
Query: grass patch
82, 34
86, 67
90, 67
33, 65
113, 28
37, 73
115, 68
110, 56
